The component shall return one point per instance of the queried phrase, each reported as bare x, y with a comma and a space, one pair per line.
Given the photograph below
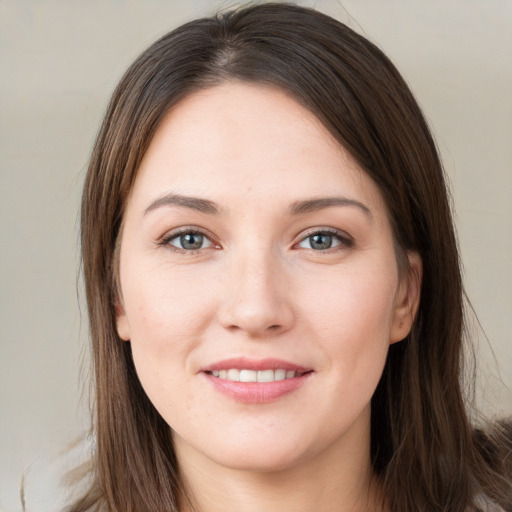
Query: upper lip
243, 363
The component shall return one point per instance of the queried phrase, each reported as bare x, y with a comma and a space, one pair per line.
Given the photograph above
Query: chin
261, 460
253, 453
265, 454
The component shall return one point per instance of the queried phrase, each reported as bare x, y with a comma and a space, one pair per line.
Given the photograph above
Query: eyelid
345, 239
174, 233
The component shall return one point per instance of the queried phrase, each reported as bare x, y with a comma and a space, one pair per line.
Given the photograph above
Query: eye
324, 240
188, 241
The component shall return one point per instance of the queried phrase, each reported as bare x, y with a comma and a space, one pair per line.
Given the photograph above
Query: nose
256, 299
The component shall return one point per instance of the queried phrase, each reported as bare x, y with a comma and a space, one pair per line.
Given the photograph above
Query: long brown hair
422, 444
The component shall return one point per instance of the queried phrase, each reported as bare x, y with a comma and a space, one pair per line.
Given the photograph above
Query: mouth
256, 381
246, 375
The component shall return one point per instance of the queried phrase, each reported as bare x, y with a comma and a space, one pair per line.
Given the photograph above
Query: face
259, 283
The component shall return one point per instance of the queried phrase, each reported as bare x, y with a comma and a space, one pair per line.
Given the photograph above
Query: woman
273, 282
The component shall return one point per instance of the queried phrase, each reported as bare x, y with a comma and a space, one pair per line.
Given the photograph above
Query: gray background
59, 62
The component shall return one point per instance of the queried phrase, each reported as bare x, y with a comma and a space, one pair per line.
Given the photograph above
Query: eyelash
166, 240
345, 241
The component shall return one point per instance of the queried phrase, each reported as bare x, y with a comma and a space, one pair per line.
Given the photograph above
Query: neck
337, 479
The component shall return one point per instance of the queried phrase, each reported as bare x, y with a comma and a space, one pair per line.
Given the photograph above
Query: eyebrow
296, 208
314, 205
194, 203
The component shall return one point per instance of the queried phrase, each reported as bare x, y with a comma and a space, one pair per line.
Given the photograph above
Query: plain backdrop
59, 62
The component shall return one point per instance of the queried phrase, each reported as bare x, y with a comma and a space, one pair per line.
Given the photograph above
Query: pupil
191, 241
321, 241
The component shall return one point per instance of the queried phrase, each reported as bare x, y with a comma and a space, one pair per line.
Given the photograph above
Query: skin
258, 287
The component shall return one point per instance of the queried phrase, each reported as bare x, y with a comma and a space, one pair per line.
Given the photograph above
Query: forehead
249, 140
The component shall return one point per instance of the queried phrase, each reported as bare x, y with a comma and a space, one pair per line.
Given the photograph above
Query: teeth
235, 375
280, 374
248, 376
266, 376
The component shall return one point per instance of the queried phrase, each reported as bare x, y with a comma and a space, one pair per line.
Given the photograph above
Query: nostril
256, 314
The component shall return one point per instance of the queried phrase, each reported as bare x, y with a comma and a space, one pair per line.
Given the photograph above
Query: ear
122, 325
407, 298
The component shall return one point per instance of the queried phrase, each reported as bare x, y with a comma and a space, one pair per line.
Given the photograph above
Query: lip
256, 392
241, 363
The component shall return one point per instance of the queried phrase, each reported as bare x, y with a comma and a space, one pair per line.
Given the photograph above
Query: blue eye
324, 240
189, 241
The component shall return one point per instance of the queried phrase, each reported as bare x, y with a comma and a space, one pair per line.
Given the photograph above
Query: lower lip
257, 392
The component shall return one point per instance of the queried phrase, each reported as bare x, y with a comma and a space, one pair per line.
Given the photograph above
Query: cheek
166, 301
352, 318
167, 317
360, 301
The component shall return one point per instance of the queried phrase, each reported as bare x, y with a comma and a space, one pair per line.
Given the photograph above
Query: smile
236, 375
256, 381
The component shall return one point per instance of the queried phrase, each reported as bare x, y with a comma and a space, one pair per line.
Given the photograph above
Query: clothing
486, 505
45, 487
